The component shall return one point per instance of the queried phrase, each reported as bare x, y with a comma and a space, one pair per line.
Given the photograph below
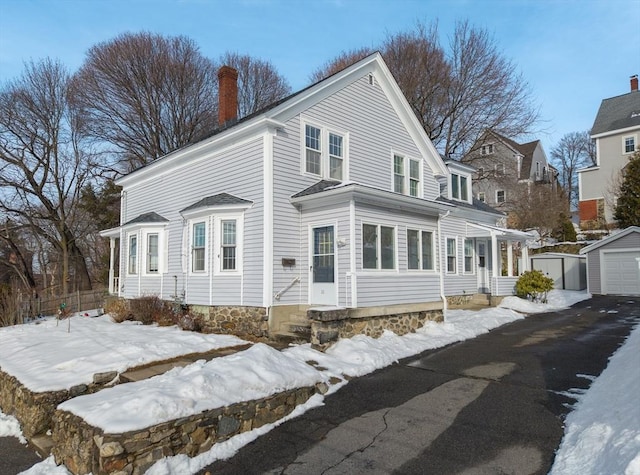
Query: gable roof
526, 150
275, 115
610, 239
617, 113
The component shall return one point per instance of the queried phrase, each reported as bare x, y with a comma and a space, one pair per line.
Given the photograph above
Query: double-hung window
452, 255
468, 256
133, 254
419, 249
378, 247
228, 245
198, 246
406, 175
325, 153
459, 187
500, 196
153, 253
629, 144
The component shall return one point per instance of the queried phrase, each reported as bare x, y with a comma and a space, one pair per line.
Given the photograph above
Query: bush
118, 309
151, 309
534, 285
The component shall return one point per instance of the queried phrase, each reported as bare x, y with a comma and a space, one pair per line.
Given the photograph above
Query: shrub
151, 309
190, 321
118, 309
534, 285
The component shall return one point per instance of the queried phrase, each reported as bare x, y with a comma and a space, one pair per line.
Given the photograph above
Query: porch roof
503, 234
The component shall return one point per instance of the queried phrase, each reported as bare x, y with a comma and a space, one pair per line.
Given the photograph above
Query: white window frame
468, 257
149, 256
325, 149
192, 224
482, 196
379, 248
218, 244
458, 179
137, 255
406, 177
486, 149
504, 196
447, 255
421, 267
624, 144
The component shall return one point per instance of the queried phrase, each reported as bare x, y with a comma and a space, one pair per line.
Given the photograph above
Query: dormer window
459, 187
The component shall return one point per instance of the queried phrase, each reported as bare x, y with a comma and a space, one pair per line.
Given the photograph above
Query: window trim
379, 267
148, 255
458, 179
218, 258
624, 144
455, 255
487, 149
504, 196
192, 224
135, 236
420, 250
142, 233
482, 196
325, 155
471, 270
407, 178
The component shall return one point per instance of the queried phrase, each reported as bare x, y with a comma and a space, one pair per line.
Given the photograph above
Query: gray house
613, 264
333, 197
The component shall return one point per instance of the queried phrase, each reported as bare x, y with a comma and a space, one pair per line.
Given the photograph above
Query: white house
333, 197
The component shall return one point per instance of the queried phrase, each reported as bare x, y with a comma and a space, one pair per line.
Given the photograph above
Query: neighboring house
505, 167
330, 197
613, 264
616, 132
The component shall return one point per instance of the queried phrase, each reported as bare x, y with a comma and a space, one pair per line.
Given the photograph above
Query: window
153, 256
500, 196
420, 249
398, 174
480, 172
313, 150
325, 153
228, 251
481, 197
198, 241
406, 175
459, 187
487, 149
335, 156
451, 255
468, 256
378, 247
498, 169
629, 144
133, 254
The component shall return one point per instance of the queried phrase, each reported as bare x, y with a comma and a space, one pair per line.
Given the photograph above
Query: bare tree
538, 207
568, 156
457, 93
44, 164
342, 61
259, 84
147, 95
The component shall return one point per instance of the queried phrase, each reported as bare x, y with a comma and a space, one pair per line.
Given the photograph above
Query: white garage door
621, 273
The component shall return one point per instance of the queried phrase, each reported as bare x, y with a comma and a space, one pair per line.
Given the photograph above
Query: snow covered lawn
360, 355
44, 356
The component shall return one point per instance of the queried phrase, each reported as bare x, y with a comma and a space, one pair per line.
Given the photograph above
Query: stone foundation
84, 448
234, 320
34, 410
327, 326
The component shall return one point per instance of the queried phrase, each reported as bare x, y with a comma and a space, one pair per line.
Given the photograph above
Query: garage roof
609, 239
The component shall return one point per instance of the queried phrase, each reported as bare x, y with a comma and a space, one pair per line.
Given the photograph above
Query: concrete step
151, 371
298, 328
42, 444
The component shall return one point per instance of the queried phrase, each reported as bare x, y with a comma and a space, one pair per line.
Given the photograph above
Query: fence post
78, 309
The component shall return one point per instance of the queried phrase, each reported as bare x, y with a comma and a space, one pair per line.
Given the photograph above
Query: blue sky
572, 53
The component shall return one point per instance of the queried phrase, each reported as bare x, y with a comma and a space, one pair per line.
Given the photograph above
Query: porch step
481, 299
297, 327
42, 444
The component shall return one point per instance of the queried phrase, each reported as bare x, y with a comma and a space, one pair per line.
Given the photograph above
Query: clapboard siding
459, 283
239, 172
594, 259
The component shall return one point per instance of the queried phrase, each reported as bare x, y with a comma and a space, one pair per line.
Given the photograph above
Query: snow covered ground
591, 439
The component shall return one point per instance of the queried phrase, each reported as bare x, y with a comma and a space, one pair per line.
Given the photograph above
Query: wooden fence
75, 302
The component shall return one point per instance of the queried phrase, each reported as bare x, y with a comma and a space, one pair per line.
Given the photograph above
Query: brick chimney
227, 95
634, 82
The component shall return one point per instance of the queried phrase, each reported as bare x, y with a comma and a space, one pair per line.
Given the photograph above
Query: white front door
483, 275
323, 286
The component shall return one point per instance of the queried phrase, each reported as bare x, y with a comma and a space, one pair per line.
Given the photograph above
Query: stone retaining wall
84, 448
327, 326
34, 410
234, 320
459, 300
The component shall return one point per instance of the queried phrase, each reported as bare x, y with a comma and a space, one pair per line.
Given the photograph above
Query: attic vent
371, 79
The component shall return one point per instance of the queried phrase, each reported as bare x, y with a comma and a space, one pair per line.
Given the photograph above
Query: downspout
442, 296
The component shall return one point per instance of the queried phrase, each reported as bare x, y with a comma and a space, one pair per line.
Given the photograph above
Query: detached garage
613, 264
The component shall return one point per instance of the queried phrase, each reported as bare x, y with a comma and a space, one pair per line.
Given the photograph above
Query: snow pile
10, 427
602, 434
255, 373
45, 357
556, 300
